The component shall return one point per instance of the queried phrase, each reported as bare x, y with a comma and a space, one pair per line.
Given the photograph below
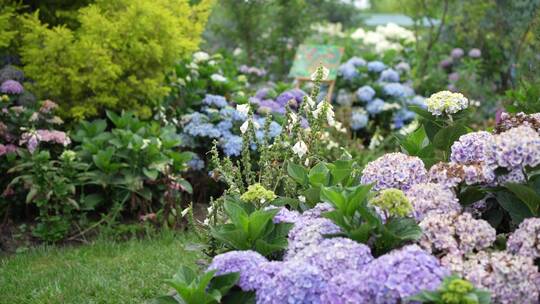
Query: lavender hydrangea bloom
317, 210
376, 66
284, 215
397, 275
365, 93
245, 262
517, 147
296, 282
269, 105
403, 67
389, 75
11, 87
375, 106
215, 100
457, 53
308, 231
394, 170
475, 53
446, 63
294, 95
359, 120
455, 233
451, 174
525, 240
471, 147
336, 255
509, 278
431, 198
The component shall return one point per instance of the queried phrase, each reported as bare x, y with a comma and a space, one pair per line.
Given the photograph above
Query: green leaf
470, 195
448, 135
319, 175
258, 221
151, 174
527, 195
515, 207
164, 300
225, 282
405, 229
334, 196
298, 173
237, 214
31, 194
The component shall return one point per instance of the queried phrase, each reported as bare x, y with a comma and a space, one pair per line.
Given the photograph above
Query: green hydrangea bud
457, 292
68, 155
460, 286
393, 201
257, 193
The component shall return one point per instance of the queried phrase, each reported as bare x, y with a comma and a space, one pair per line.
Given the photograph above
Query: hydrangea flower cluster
525, 240
11, 87
389, 278
394, 170
455, 233
451, 174
307, 232
516, 148
427, 198
392, 201
257, 193
336, 255
294, 282
510, 278
317, 210
507, 121
285, 215
33, 138
385, 37
471, 147
446, 102
245, 262
265, 103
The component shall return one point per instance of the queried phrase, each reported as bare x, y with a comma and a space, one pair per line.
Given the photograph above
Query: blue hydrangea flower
365, 93
418, 101
232, 113
215, 100
244, 262
356, 61
403, 116
295, 282
359, 120
348, 71
224, 127
389, 75
375, 106
231, 145
202, 129
376, 66
196, 163
397, 90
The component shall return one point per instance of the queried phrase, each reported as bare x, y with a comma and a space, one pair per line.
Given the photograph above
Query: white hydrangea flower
200, 56
358, 34
218, 78
300, 149
446, 102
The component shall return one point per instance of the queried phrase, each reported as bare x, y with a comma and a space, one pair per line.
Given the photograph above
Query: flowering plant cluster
385, 37
377, 96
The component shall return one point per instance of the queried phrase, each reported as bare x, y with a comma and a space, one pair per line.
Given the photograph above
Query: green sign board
309, 57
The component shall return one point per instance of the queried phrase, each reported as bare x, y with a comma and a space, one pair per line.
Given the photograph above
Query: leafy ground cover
101, 272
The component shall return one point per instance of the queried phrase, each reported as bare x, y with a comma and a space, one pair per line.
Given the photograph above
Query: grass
102, 272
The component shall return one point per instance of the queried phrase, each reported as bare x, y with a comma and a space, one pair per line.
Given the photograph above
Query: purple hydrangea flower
365, 93
457, 53
11, 87
376, 66
244, 262
453, 77
292, 98
471, 147
269, 105
525, 240
510, 278
284, 215
429, 198
446, 63
389, 75
317, 210
475, 53
455, 233
308, 231
393, 277
403, 67
451, 174
516, 148
336, 255
394, 170
295, 282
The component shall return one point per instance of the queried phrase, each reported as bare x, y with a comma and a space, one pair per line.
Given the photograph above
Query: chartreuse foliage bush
6, 27
116, 59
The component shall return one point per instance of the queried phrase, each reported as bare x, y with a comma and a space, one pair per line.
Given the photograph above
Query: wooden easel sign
309, 57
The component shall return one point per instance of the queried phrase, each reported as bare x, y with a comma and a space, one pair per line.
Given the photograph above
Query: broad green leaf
237, 214
527, 195
298, 173
334, 196
448, 135
515, 207
319, 175
258, 221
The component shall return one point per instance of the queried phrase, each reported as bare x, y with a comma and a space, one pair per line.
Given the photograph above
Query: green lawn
103, 272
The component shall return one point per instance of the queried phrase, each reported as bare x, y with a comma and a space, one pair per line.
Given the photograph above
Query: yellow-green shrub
117, 58
7, 32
